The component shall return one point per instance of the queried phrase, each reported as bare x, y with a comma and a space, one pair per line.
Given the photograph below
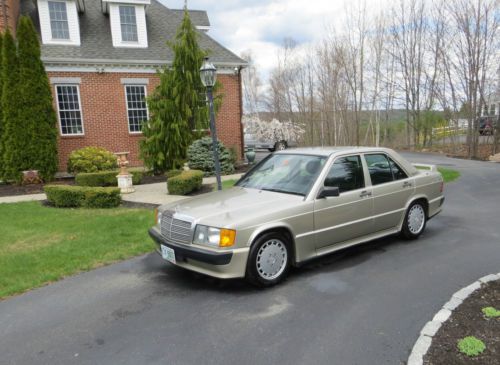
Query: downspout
4, 13
241, 113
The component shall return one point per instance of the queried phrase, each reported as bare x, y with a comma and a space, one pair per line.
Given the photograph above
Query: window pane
379, 168
397, 171
58, 20
70, 115
128, 23
346, 174
136, 106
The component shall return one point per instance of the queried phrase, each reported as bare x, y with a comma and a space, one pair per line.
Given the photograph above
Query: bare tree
251, 85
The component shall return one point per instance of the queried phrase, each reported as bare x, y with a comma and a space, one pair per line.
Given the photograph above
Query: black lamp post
208, 77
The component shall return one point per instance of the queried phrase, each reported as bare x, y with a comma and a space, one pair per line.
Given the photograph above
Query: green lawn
449, 175
227, 184
39, 245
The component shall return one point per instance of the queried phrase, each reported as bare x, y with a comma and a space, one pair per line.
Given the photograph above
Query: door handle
407, 184
365, 194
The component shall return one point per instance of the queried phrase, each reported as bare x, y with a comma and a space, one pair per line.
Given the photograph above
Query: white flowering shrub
272, 131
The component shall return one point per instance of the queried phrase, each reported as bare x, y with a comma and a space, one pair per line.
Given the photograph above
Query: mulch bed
14, 190
468, 320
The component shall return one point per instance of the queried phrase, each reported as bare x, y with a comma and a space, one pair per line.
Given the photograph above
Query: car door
391, 190
348, 216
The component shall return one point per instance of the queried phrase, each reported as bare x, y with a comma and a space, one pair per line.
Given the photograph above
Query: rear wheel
415, 221
269, 260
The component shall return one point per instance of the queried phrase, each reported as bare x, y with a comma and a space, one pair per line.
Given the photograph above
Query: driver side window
346, 174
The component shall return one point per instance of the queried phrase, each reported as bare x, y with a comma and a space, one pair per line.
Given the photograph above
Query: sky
262, 25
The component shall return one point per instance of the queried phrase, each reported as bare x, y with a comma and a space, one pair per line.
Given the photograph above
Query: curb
430, 329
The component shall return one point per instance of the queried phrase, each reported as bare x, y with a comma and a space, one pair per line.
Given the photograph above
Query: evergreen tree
178, 105
1, 118
36, 111
14, 135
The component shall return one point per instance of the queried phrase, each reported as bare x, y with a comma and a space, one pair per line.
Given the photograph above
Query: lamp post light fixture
208, 74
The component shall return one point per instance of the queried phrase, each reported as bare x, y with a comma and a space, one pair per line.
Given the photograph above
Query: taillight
442, 187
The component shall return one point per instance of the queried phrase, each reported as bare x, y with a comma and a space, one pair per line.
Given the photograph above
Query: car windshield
285, 173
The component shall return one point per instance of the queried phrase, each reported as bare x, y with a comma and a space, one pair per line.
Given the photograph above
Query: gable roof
97, 45
198, 17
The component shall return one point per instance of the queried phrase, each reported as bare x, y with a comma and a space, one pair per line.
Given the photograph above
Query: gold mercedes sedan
297, 205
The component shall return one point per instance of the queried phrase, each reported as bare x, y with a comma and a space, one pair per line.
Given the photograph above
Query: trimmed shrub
185, 183
65, 196
173, 173
106, 178
91, 159
200, 157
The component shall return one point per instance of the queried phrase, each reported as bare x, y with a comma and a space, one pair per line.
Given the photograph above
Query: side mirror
328, 191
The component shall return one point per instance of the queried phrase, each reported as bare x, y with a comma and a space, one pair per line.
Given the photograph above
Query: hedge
173, 173
185, 183
91, 159
106, 178
65, 196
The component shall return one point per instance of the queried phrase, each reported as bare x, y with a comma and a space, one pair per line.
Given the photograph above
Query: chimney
9, 14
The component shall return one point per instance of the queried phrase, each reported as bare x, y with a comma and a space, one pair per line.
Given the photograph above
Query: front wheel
415, 221
269, 260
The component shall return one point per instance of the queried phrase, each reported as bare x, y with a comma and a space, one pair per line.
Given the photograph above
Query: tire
415, 221
280, 146
269, 260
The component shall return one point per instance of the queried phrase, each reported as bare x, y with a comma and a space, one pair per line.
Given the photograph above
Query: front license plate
168, 254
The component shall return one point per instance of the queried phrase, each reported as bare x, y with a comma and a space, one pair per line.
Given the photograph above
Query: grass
39, 245
227, 184
449, 175
491, 312
471, 346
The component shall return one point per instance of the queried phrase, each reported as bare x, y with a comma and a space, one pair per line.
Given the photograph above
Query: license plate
168, 254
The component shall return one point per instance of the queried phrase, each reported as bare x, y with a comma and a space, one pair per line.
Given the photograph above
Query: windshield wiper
283, 191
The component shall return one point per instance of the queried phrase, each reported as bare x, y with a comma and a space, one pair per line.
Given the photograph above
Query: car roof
328, 151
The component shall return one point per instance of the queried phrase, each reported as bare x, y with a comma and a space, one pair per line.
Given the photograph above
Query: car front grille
176, 230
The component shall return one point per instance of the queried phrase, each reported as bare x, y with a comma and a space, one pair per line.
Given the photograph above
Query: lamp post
208, 74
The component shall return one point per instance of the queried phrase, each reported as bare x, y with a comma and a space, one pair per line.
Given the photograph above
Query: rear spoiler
423, 166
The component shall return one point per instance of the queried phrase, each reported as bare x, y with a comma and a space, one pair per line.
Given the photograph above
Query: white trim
129, 81
59, 111
140, 24
134, 2
126, 105
66, 80
205, 28
144, 69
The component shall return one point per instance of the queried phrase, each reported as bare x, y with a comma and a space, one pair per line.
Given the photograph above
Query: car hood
235, 206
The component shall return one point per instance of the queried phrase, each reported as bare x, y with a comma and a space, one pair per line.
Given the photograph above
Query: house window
137, 108
128, 24
70, 113
58, 20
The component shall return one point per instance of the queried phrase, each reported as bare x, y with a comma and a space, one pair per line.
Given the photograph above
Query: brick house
101, 57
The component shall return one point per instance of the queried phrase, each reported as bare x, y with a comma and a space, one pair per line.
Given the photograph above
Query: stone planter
250, 155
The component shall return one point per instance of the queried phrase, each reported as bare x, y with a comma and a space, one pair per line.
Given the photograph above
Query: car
487, 125
251, 141
295, 206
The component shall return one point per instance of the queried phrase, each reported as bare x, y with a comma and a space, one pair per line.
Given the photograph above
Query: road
365, 305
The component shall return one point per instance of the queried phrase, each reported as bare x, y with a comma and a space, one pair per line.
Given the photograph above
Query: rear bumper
436, 206
219, 264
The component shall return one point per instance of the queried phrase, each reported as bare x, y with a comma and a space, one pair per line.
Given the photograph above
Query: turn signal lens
227, 237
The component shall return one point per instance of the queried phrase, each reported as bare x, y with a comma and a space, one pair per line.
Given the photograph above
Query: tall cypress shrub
36, 107
14, 135
177, 106
1, 117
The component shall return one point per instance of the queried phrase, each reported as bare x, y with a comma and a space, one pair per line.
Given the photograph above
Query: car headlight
215, 237
157, 216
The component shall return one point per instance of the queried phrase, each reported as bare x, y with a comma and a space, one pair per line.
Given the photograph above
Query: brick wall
10, 13
104, 114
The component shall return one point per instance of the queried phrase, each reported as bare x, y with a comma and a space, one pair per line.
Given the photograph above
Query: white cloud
261, 25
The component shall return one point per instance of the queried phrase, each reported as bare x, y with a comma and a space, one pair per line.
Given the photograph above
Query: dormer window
59, 22
128, 23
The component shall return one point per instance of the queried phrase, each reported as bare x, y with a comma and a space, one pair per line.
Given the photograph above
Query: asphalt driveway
364, 305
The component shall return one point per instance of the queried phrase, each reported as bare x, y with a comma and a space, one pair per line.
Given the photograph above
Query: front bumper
219, 264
